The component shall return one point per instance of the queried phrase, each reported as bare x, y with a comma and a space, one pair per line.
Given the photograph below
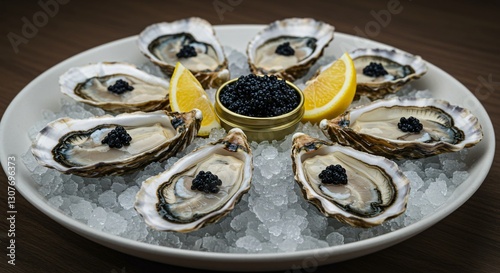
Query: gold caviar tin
260, 128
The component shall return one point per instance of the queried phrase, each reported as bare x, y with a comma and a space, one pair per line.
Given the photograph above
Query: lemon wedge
331, 92
186, 93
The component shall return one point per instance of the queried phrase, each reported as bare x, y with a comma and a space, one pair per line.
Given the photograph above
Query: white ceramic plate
43, 93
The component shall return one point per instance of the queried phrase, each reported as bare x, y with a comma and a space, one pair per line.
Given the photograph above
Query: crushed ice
272, 217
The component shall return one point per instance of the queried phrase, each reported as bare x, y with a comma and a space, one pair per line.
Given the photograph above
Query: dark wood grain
460, 37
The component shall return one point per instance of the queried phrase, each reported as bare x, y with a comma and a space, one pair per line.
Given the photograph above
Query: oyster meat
304, 38
89, 84
165, 44
375, 191
374, 128
170, 201
76, 145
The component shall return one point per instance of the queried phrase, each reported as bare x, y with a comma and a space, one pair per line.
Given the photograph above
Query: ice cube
115, 223
107, 199
249, 243
81, 210
97, 218
127, 198
459, 177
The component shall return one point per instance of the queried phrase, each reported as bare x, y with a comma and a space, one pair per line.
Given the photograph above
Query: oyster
75, 145
401, 68
375, 191
374, 128
162, 43
168, 201
305, 36
89, 84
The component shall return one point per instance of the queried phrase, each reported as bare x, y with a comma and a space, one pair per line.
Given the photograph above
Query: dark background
461, 37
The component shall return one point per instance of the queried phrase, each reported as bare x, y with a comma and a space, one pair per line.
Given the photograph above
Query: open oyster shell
74, 145
161, 42
374, 128
167, 202
89, 84
376, 189
306, 36
401, 68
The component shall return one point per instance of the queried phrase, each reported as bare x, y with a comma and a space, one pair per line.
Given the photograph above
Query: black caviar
374, 70
117, 138
206, 182
176, 122
410, 124
120, 87
259, 96
334, 174
186, 51
285, 49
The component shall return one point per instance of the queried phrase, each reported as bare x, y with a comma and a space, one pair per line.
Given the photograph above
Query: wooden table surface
461, 38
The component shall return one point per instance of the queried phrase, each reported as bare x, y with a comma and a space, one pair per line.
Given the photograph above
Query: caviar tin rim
223, 112
257, 128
